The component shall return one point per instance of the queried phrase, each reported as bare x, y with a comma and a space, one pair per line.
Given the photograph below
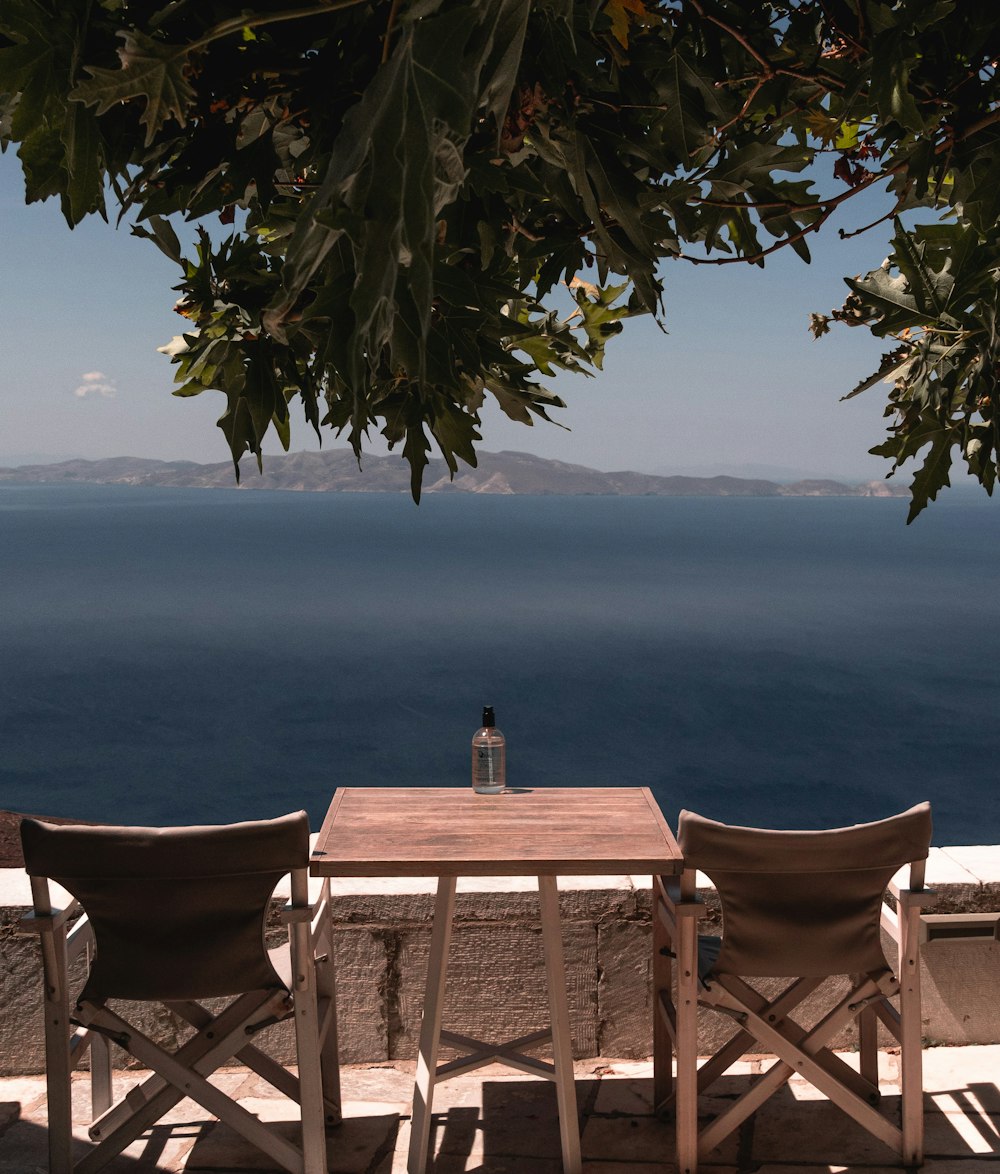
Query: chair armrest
693, 907
77, 937
313, 913
670, 908
909, 903
33, 923
670, 890
306, 910
913, 898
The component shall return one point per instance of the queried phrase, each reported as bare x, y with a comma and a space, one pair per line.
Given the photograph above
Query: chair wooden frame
768, 1021
75, 1028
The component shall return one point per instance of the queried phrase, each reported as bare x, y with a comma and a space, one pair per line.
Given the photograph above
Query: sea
202, 656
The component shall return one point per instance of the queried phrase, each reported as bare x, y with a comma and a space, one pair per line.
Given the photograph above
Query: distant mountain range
337, 471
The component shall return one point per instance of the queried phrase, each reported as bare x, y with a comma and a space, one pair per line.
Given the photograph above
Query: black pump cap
488, 718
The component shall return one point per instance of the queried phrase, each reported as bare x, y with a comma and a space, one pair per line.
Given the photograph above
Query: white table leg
562, 1043
430, 1027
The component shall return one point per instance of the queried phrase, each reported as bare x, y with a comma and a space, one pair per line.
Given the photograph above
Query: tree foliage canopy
414, 185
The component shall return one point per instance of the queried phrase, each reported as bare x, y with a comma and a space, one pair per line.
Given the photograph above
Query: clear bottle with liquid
489, 757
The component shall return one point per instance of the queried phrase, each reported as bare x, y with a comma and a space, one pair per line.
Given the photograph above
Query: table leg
562, 1043
430, 1027
664, 949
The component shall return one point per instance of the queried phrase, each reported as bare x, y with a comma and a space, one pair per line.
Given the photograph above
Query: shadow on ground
509, 1125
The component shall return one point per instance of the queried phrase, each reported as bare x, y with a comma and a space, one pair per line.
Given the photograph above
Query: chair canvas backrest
801, 903
178, 913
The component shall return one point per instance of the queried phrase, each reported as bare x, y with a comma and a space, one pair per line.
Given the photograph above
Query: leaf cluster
430, 202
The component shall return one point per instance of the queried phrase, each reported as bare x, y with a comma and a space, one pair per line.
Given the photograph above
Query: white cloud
95, 383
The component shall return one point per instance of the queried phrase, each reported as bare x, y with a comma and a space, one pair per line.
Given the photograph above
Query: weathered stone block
624, 988
961, 992
362, 958
496, 986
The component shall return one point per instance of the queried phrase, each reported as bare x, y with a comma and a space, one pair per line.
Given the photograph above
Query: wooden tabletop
451, 831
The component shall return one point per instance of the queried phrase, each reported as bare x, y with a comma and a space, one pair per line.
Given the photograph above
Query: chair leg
100, 1075
312, 1112
58, 1063
310, 1078
868, 1047
326, 986
911, 1060
686, 1098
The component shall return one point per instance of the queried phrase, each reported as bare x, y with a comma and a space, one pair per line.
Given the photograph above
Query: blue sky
737, 383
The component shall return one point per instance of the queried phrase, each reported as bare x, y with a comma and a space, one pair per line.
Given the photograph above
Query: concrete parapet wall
496, 986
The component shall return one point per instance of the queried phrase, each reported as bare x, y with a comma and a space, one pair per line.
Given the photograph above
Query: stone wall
496, 976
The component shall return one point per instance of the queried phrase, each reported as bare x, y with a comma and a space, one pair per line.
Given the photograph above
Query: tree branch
853, 41
227, 27
770, 71
828, 208
758, 86
845, 235
737, 36
976, 127
389, 25
831, 203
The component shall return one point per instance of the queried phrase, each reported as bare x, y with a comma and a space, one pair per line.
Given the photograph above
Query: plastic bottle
489, 757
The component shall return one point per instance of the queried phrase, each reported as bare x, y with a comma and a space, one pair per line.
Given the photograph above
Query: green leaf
601, 318
691, 99
35, 65
455, 432
415, 451
505, 46
400, 176
889, 297
162, 234
84, 191
890, 82
892, 367
977, 184
933, 474
931, 291
153, 72
847, 136
43, 158
617, 221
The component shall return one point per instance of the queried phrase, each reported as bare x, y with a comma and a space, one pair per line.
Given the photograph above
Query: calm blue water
185, 655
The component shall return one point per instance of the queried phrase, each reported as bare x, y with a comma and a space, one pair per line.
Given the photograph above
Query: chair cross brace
179, 1075
277, 1075
802, 1051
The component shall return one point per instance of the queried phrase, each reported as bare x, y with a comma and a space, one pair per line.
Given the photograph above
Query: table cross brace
509, 1054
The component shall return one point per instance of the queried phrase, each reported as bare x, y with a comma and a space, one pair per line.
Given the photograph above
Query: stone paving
497, 1121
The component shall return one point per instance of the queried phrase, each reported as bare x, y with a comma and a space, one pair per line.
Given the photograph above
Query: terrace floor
497, 1121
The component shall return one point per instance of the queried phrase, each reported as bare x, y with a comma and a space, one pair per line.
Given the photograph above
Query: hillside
504, 472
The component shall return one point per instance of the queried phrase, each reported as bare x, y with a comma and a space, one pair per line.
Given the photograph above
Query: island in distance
336, 471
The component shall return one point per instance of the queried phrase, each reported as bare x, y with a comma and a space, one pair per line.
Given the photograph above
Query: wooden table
451, 832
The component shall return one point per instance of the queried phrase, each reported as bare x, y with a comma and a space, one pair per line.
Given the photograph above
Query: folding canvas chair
176, 916
805, 907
